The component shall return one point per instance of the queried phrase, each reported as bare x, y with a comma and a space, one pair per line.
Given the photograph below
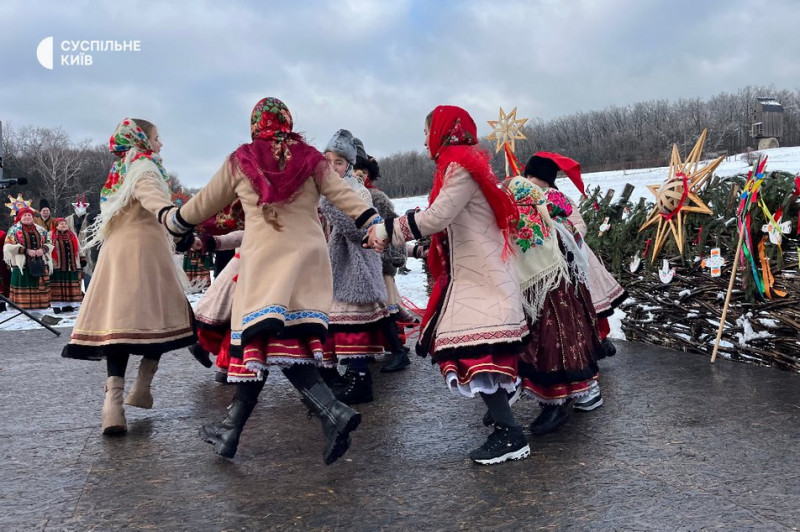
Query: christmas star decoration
17, 203
507, 129
678, 195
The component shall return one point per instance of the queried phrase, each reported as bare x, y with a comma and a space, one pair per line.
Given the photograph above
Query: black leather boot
338, 420
551, 418
224, 436
359, 387
200, 354
399, 355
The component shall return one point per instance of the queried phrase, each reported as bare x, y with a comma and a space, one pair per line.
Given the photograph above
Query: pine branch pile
685, 313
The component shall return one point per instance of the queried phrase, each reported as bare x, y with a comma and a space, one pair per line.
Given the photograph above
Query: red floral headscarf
278, 161
22, 211
452, 139
128, 139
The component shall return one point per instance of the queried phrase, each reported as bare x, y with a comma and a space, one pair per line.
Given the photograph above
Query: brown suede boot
113, 413
140, 395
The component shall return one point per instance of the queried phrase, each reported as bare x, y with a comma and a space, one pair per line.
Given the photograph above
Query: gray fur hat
341, 143
360, 150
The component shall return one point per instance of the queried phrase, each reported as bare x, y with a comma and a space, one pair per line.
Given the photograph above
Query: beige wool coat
135, 302
285, 285
482, 306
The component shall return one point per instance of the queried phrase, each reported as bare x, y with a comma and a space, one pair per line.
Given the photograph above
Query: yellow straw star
506, 129
679, 194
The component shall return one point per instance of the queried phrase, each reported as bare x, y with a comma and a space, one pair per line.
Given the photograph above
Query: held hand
197, 245
39, 252
31, 253
374, 242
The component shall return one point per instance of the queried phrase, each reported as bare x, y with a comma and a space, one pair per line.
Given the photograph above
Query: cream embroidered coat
482, 304
285, 285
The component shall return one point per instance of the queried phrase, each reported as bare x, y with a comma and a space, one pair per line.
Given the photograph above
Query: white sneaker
592, 400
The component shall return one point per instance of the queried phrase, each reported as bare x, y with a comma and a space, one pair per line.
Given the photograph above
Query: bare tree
58, 162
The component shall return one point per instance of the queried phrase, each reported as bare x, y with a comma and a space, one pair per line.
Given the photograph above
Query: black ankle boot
338, 420
359, 388
551, 418
399, 357
200, 354
332, 378
225, 435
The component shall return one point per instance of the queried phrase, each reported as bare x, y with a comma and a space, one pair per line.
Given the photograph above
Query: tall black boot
338, 420
359, 387
224, 436
399, 356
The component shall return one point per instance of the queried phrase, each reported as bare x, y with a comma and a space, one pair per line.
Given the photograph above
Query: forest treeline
616, 138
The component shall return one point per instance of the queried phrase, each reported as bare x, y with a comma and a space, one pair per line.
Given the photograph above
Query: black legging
117, 363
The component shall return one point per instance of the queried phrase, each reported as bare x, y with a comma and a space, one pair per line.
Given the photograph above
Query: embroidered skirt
355, 331
558, 362
268, 350
198, 266
29, 292
65, 286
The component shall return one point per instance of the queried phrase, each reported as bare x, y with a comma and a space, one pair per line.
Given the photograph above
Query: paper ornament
715, 262
666, 273
636, 263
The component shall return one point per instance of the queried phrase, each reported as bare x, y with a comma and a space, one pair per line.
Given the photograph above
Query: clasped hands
377, 239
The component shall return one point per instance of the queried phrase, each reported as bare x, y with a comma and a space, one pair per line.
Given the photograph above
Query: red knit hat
571, 167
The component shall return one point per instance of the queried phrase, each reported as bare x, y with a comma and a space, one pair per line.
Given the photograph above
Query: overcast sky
376, 67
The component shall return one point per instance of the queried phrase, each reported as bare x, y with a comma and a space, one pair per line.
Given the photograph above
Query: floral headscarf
130, 143
278, 161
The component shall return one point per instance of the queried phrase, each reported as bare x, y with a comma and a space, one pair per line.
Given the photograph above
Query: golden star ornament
678, 195
508, 128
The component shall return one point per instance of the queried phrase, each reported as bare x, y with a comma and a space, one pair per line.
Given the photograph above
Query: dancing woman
135, 304
474, 326
284, 290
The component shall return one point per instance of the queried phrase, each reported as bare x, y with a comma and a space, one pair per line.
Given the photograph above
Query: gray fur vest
357, 276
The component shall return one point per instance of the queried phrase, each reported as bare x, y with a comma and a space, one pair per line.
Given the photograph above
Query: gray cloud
375, 67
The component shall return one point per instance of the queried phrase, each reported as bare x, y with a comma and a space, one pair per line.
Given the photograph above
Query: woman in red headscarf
284, 289
25, 244
474, 327
65, 281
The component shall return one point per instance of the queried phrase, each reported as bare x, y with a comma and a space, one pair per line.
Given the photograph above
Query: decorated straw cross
506, 130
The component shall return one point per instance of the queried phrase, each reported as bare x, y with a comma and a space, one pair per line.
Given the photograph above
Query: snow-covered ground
413, 285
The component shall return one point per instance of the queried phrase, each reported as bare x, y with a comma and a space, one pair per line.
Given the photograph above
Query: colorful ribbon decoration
769, 280
748, 198
513, 162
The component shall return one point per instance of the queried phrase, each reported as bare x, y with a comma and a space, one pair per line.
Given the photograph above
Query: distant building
767, 126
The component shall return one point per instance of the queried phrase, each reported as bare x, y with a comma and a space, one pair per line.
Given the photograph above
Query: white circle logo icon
44, 53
